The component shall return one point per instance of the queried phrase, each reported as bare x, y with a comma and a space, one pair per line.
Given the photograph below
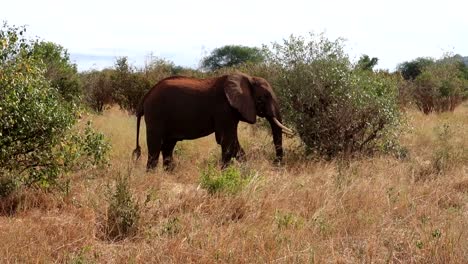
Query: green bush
335, 109
95, 147
129, 86
123, 213
33, 117
157, 69
231, 180
285, 220
60, 71
440, 87
98, 89
35, 121
171, 227
447, 153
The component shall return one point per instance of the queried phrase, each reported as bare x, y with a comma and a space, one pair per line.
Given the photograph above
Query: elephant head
252, 97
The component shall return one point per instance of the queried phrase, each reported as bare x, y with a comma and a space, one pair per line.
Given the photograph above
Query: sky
96, 32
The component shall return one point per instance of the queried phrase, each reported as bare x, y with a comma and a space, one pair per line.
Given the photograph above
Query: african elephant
179, 108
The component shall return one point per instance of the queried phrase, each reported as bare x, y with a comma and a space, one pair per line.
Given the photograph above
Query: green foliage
157, 69
81, 149
365, 63
128, 85
172, 226
37, 144
335, 109
33, 118
231, 180
462, 65
123, 213
98, 88
95, 147
60, 71
231, 55
83, 256
440, 87
412, 69
447, 153
286, 220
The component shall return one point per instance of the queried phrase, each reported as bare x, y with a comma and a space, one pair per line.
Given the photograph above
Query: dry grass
378, 209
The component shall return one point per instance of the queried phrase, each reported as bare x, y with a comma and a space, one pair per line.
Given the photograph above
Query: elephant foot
241, 157
151, 165
278, 162
169, 166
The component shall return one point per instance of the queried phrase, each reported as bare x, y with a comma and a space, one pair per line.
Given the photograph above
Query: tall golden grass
377, 209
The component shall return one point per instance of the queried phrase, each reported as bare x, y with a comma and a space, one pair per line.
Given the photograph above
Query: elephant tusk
287, 133
286, 130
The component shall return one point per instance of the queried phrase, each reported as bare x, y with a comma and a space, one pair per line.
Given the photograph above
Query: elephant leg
226, 155
240, 155
230, 148
167, 150
154, 147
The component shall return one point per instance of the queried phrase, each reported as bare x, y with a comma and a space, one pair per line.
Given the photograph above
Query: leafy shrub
98, 89
447, 153
230, 180
33, 118
157, 69
123, 212
60, 71
335, 109
129, 86
95, 146
286, 220
440, 87
171, 227
35, 122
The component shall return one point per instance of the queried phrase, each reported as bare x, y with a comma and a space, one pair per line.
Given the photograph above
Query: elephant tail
139, 114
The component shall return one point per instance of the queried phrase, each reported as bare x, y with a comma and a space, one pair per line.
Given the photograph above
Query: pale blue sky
95, 32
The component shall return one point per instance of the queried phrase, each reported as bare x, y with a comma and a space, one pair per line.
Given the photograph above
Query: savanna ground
382, 209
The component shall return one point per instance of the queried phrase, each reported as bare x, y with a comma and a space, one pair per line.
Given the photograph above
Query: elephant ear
239, 95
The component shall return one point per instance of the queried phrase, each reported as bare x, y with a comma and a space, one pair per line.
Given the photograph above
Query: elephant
184, 108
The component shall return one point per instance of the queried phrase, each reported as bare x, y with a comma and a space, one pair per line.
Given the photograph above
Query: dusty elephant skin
179, 108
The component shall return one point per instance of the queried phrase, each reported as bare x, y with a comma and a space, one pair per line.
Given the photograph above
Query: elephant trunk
277, 132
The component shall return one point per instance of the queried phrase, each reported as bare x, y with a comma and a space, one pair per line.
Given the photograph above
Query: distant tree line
435, 85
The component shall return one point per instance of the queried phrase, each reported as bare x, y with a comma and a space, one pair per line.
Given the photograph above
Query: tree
98, 88
411, 69
441, 86
231, 55
60, 71
365, 63
128, 85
